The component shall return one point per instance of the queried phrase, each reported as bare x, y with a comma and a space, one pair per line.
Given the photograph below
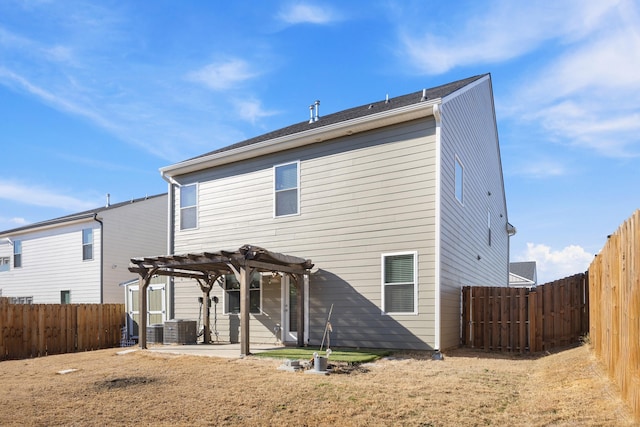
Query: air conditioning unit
155, 333
180, 331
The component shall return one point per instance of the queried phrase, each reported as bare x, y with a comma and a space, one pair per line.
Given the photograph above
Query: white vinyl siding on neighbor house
469, 134
189, 207
286, 189
354, 208
52, 262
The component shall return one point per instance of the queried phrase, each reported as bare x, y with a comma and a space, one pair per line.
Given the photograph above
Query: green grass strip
337, 355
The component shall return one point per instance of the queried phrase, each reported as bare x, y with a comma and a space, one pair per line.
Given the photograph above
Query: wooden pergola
207, 267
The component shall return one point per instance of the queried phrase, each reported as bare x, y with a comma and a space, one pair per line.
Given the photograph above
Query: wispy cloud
41, 196
539, 169
251, 110
307, 14
224, 75
556, 264
499, 32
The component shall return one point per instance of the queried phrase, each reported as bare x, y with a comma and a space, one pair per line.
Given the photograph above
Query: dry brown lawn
466, 389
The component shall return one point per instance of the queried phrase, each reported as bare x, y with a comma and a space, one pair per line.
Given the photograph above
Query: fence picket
32, 330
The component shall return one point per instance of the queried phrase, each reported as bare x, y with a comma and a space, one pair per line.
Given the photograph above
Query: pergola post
245, 307
145, 279
299, 280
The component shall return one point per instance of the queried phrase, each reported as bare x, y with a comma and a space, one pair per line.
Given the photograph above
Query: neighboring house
81, 258
398, 203
523, 274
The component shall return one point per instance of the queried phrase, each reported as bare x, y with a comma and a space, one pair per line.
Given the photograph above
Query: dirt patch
467, 388
123, 382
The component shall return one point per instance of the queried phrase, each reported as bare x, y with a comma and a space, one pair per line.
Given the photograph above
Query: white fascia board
46, 225
312, 136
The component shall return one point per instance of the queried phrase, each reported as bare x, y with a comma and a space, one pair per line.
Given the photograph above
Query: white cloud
541, 168
499, 32
307, 14
251, 110
224, 75
556, 264
40, 196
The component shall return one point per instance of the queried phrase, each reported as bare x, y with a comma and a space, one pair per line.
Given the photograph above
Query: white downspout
172, 184
438, 117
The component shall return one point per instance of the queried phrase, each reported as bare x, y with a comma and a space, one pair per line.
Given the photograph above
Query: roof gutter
312, 136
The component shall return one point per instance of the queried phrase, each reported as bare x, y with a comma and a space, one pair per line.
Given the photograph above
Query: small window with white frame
400, 283
17, 253
87, 244
4, 263
286, 189
459, 180
189, 207
232, 294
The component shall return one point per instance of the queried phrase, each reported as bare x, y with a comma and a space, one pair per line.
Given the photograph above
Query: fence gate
521, 319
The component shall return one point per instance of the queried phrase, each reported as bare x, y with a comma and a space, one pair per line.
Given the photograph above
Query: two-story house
397, 203
81, 258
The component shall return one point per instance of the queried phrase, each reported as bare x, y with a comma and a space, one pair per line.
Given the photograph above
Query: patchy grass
337, 355
467, 388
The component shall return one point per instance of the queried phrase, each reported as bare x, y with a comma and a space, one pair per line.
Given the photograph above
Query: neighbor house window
459, 181
87, 244
4, 263
17, 253
399, 282
287, 189
188, 206
65, 297
232, 294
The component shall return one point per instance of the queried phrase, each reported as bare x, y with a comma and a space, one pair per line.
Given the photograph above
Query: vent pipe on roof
386, 101
424, 95
315, 118
108, 200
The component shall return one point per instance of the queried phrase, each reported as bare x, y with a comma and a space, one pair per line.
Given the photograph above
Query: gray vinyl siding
469, 132
133, 230
361, 196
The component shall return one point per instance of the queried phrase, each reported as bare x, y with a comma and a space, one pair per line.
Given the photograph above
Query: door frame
286, 336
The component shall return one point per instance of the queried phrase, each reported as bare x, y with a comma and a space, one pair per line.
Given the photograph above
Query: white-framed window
4, 263
87, 244
286, 187
232, 294
400, 283
21, 300
189, 206
17, 253
65, 297
459, 180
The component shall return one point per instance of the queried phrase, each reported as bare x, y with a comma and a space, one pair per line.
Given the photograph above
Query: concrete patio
225, 350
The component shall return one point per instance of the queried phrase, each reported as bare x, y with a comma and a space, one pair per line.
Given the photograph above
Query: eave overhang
300, 139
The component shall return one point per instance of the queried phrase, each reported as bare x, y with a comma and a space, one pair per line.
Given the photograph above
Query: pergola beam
208, 266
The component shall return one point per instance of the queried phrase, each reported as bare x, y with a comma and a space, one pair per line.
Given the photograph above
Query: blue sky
96, 96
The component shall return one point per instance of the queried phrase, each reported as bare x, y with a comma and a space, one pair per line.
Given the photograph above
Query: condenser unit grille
179, 331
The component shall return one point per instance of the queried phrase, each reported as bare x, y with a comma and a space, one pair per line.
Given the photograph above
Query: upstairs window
232, 294
87, 244
287, 189
399, 283
17, 253
459, 181
188, 207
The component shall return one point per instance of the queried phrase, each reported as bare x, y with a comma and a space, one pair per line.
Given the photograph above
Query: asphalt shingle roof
353, 113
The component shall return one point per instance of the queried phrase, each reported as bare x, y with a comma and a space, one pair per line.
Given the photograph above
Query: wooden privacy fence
32, 330
614, 279
524, 320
